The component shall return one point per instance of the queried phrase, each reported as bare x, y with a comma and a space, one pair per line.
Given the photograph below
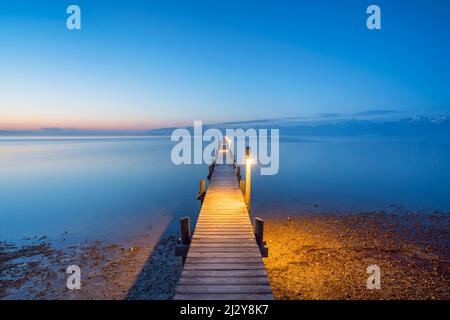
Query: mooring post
182, 248
259, 230
202, 192
211, 169
259, 235
202, 186
248, 177
185, 230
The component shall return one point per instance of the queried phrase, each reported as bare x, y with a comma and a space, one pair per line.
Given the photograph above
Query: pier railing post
182, 248
238, 174
259, 235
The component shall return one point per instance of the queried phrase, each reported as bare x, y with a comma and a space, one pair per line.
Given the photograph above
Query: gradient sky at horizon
147, 64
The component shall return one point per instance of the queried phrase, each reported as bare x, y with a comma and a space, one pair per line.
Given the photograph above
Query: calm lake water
109, 187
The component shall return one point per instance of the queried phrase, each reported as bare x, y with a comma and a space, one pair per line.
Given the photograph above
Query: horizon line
281, 122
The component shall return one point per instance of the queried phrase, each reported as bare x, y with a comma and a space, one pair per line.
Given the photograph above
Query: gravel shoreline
326, 256
310, 257
108, 271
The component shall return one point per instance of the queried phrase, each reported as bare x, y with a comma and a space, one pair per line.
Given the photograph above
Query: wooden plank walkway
224, 260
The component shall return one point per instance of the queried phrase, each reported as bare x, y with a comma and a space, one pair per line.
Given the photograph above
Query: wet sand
310, 257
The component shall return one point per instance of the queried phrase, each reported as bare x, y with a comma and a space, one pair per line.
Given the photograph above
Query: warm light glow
248, 162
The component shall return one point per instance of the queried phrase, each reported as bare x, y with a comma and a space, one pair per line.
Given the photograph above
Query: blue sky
146, 64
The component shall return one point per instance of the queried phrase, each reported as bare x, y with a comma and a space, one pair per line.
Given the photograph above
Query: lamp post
248, 177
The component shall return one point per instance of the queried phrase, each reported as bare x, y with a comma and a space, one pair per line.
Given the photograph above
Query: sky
150, 64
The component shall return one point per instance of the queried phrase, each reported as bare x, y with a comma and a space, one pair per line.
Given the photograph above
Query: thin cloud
376, 112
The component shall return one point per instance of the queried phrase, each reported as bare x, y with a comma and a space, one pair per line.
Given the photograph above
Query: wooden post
211, 170
185, 230
259, 235
181, 250
202, 186
259, 230
238, 174
248, 177
202, 192
242, 186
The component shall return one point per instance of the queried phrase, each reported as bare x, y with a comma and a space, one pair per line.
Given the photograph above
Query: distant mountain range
82, 132
414, 126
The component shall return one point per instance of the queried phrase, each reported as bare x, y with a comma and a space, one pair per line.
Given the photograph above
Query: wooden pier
224, 257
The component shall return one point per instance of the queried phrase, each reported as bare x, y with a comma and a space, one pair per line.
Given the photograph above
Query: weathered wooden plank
226, 247
224, 254
224, 280
227, 250
223, 260
221, 228
224, 266
222, 243
224, 224
249, 232
219, 237
224, 273
221, 296
225, 213
234, 236
232, 288
214, 205
224, 233
229, 220
220, 214
240, 223
230, 199
216, 238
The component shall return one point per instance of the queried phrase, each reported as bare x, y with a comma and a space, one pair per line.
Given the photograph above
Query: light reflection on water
110, 187
356, 174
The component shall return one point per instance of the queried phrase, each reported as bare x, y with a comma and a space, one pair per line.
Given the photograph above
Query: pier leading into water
224, 256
